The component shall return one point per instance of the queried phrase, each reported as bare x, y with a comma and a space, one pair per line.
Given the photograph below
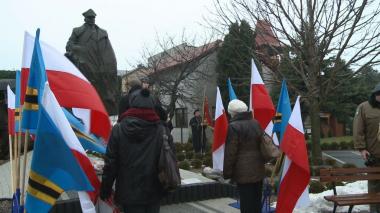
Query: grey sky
131, 24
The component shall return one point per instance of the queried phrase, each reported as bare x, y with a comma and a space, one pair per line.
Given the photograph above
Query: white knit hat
236, 106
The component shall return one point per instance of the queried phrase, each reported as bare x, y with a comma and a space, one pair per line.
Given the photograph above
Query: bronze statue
90, 50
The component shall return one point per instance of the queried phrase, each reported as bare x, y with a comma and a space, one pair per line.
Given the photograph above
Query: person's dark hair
145, 80
372, 101
197, 110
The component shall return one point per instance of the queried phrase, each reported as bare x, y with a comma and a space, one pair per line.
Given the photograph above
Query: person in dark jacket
243, 161
134, 85
197, 126
132, 157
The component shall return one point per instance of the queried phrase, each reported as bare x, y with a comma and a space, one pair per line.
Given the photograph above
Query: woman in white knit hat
243, 161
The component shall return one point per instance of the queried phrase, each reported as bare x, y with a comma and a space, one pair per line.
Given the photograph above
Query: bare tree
180, 69
313, 31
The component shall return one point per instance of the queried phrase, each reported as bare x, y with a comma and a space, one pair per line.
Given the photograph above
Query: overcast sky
132, 25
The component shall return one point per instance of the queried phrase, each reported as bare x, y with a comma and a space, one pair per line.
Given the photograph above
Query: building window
181, 118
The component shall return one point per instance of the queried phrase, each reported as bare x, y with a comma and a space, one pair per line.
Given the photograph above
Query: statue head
89, 17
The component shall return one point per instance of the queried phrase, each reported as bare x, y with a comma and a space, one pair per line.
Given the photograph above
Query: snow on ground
319, 204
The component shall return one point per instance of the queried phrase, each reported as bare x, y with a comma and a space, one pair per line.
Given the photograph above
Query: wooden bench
334, 175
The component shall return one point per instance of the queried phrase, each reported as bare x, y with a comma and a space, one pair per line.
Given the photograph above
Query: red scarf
142, 113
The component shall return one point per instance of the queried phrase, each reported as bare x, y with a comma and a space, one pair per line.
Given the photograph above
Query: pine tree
234, 60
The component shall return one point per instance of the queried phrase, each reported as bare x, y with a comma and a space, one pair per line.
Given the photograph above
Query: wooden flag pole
18, 143
18, 160
15, 161
202, 122
26, 142
11, 162
277, 167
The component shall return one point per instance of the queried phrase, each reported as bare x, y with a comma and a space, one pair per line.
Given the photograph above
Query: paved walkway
206, 206
345, 156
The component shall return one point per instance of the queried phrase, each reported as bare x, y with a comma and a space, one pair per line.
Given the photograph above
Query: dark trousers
250, 197
152, 208
4, 145
374, 187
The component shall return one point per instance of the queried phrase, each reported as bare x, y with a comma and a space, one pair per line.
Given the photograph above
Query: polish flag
11, 110
294, 189
260, 102
69, 85
220, 133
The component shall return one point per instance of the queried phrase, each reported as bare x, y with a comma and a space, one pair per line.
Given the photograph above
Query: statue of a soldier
90, 50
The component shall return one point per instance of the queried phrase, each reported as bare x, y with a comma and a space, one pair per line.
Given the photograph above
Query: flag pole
26, 142
203, 118
15, 160
18, 169
11, 162
18, 159
277, 167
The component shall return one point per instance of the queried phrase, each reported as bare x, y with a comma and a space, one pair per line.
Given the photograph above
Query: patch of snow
319, 204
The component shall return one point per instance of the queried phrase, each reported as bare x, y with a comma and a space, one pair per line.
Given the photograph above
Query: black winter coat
132, 159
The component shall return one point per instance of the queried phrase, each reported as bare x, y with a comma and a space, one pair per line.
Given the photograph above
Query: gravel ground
5, 206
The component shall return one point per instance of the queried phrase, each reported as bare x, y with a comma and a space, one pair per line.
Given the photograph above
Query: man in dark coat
197, 126
132, 157
243, 161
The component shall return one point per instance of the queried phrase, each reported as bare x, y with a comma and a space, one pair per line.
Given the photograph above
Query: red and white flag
220, 133
260, 102
11, 110
69, 85
294, 189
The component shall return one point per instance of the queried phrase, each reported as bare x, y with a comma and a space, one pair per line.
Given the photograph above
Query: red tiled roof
264, 34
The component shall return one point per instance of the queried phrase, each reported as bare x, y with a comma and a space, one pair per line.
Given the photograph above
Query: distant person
146, 83
243, 161
162, 113
198, 136
366, 131
132, 157
133, 84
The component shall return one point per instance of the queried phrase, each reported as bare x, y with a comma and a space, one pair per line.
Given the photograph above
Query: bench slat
353, 177
350, 170
354, 199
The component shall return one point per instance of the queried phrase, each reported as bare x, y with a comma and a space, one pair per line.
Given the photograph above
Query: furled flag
231, 91
206, 112
296, 174
68, 84
11, 111
59, 160
283, 111
17, 102
220, 133
260, 102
